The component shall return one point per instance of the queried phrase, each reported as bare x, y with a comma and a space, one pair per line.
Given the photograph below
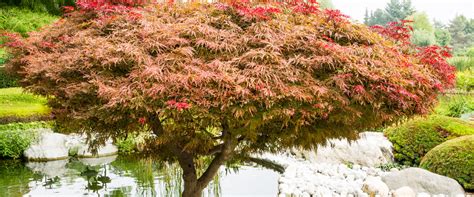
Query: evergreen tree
395, 10
462, 33
366, 16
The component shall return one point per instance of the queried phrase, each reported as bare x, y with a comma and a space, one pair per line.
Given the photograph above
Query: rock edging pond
55, 146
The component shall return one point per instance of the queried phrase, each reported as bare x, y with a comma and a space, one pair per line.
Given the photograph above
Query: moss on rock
414, 138
453, 158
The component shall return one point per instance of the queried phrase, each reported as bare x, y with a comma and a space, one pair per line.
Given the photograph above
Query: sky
441, 10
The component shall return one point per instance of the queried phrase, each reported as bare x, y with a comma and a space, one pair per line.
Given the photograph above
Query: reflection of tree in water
15, 177
152, 178
156, 178
95, 180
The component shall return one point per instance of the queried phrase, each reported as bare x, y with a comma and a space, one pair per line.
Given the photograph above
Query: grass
23, 20
454, 105
462, 62
15, 102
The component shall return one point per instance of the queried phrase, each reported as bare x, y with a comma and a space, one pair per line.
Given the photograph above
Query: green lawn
16, 102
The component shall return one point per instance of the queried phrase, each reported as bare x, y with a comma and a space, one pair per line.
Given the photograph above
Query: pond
124, 176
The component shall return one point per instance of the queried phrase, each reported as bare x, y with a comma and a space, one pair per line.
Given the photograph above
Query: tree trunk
190, 188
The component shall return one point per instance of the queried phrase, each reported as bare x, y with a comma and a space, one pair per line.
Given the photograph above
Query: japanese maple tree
226, 80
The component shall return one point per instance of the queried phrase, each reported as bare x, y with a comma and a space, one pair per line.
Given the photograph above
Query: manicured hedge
453, 158
414, 138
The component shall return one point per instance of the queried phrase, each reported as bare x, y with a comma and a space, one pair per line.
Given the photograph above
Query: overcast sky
441, 10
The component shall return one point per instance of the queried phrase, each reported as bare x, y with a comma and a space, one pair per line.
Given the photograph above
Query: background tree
223, 81
462, 33
395, 10
442, 35
423, 31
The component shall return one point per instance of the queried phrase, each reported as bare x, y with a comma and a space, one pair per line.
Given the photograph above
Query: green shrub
131, 143
14, 142
465, 79
16, 137
414, 138
453, 158
23, 20
126, 145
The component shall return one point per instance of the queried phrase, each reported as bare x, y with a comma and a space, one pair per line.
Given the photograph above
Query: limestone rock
404, 192
49, 147
374, 186
108, 150
372, 149
423, 181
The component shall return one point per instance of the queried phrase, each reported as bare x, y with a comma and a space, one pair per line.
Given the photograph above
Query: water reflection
123, 176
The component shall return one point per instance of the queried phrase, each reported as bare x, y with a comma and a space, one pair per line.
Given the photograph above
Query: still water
124, 176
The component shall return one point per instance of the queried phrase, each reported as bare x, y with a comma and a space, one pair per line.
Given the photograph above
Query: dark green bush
453, 158
414, 138
6, 80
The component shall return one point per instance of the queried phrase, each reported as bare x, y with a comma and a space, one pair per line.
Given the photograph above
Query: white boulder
404, 192
108, 150
374, 186
50, 146
423, 181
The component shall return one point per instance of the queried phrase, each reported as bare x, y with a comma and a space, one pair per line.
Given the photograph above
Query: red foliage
12, 40
244, 8
177, 105
67, 9
398, 30
305, 7
336, 16
436, 56
142, 120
